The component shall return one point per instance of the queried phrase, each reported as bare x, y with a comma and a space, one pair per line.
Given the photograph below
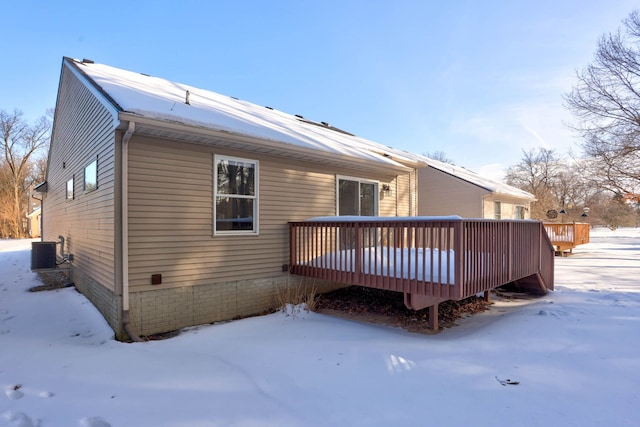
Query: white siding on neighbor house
442, 194
83, 130
171, 214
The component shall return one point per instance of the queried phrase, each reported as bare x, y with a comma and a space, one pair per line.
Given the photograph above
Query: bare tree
613, 211
606, 104
563, 184
557, 183
536, 173
21, 143
441, 156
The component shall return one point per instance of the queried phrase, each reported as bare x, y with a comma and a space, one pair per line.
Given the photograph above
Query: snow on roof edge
160, 99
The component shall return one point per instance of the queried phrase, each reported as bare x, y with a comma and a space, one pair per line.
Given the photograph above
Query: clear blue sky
480, 81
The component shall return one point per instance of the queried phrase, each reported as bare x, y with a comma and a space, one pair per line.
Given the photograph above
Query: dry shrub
297, 294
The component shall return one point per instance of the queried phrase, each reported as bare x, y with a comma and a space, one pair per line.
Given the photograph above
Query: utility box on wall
43, 255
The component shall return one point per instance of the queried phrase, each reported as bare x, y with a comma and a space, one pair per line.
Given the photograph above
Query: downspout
124, 202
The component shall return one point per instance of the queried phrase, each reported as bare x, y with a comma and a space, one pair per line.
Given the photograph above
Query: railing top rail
566, 223
406, 219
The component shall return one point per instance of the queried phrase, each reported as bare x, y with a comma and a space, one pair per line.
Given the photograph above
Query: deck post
487, 296
459, 272
433, 317
292, 246
510, 240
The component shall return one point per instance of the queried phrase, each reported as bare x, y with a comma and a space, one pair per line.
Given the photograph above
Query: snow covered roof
163, 101
170, 102
476, 179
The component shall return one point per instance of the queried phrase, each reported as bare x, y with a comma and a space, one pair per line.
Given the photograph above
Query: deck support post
418, 302
487, 296
433, 317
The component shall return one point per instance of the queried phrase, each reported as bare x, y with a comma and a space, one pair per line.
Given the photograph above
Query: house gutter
126, 318
378, 163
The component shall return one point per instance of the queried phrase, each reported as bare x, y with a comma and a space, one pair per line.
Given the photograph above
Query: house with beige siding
445, 189
33, 222
172, 202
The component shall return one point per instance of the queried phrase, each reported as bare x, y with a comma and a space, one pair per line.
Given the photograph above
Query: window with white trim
235, 196
357, 197
497, 210
91, 176
70, 188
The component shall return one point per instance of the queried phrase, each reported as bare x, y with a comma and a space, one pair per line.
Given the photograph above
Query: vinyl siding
406, 195
507, 206
83, 129
171, 214
442, 194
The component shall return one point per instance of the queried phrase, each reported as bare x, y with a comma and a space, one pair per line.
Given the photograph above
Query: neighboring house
445, 189
174, 201
34, 222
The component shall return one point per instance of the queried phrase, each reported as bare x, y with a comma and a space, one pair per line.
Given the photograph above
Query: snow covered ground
574, 353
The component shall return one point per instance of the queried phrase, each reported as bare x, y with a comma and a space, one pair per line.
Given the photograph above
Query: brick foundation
163, 310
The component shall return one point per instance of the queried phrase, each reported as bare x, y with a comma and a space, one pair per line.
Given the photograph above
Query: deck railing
566, 236
445, 258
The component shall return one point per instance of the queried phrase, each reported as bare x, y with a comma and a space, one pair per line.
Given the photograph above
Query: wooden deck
429, 260
566, 236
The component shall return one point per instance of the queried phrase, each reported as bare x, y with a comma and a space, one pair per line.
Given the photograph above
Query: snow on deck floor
402, 263
573, 353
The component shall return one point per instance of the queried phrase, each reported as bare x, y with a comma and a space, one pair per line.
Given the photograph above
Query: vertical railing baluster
357, 256
408, 251
422, 258
340, 251
387, 259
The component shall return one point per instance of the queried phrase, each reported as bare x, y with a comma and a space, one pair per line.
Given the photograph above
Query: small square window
70, 189
91, 176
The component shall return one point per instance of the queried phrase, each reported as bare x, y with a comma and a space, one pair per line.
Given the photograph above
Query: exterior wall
172, 308
507, 206
405, 195
34, 225
442, 194
206, 278
103, 298
83, 129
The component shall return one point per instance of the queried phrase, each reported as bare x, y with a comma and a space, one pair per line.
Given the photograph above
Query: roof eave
530, 198
209, 136
43, 187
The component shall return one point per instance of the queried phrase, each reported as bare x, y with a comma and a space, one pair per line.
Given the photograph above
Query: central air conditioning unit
43, 255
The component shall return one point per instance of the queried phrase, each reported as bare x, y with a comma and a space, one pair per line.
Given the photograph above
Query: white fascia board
94, 91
